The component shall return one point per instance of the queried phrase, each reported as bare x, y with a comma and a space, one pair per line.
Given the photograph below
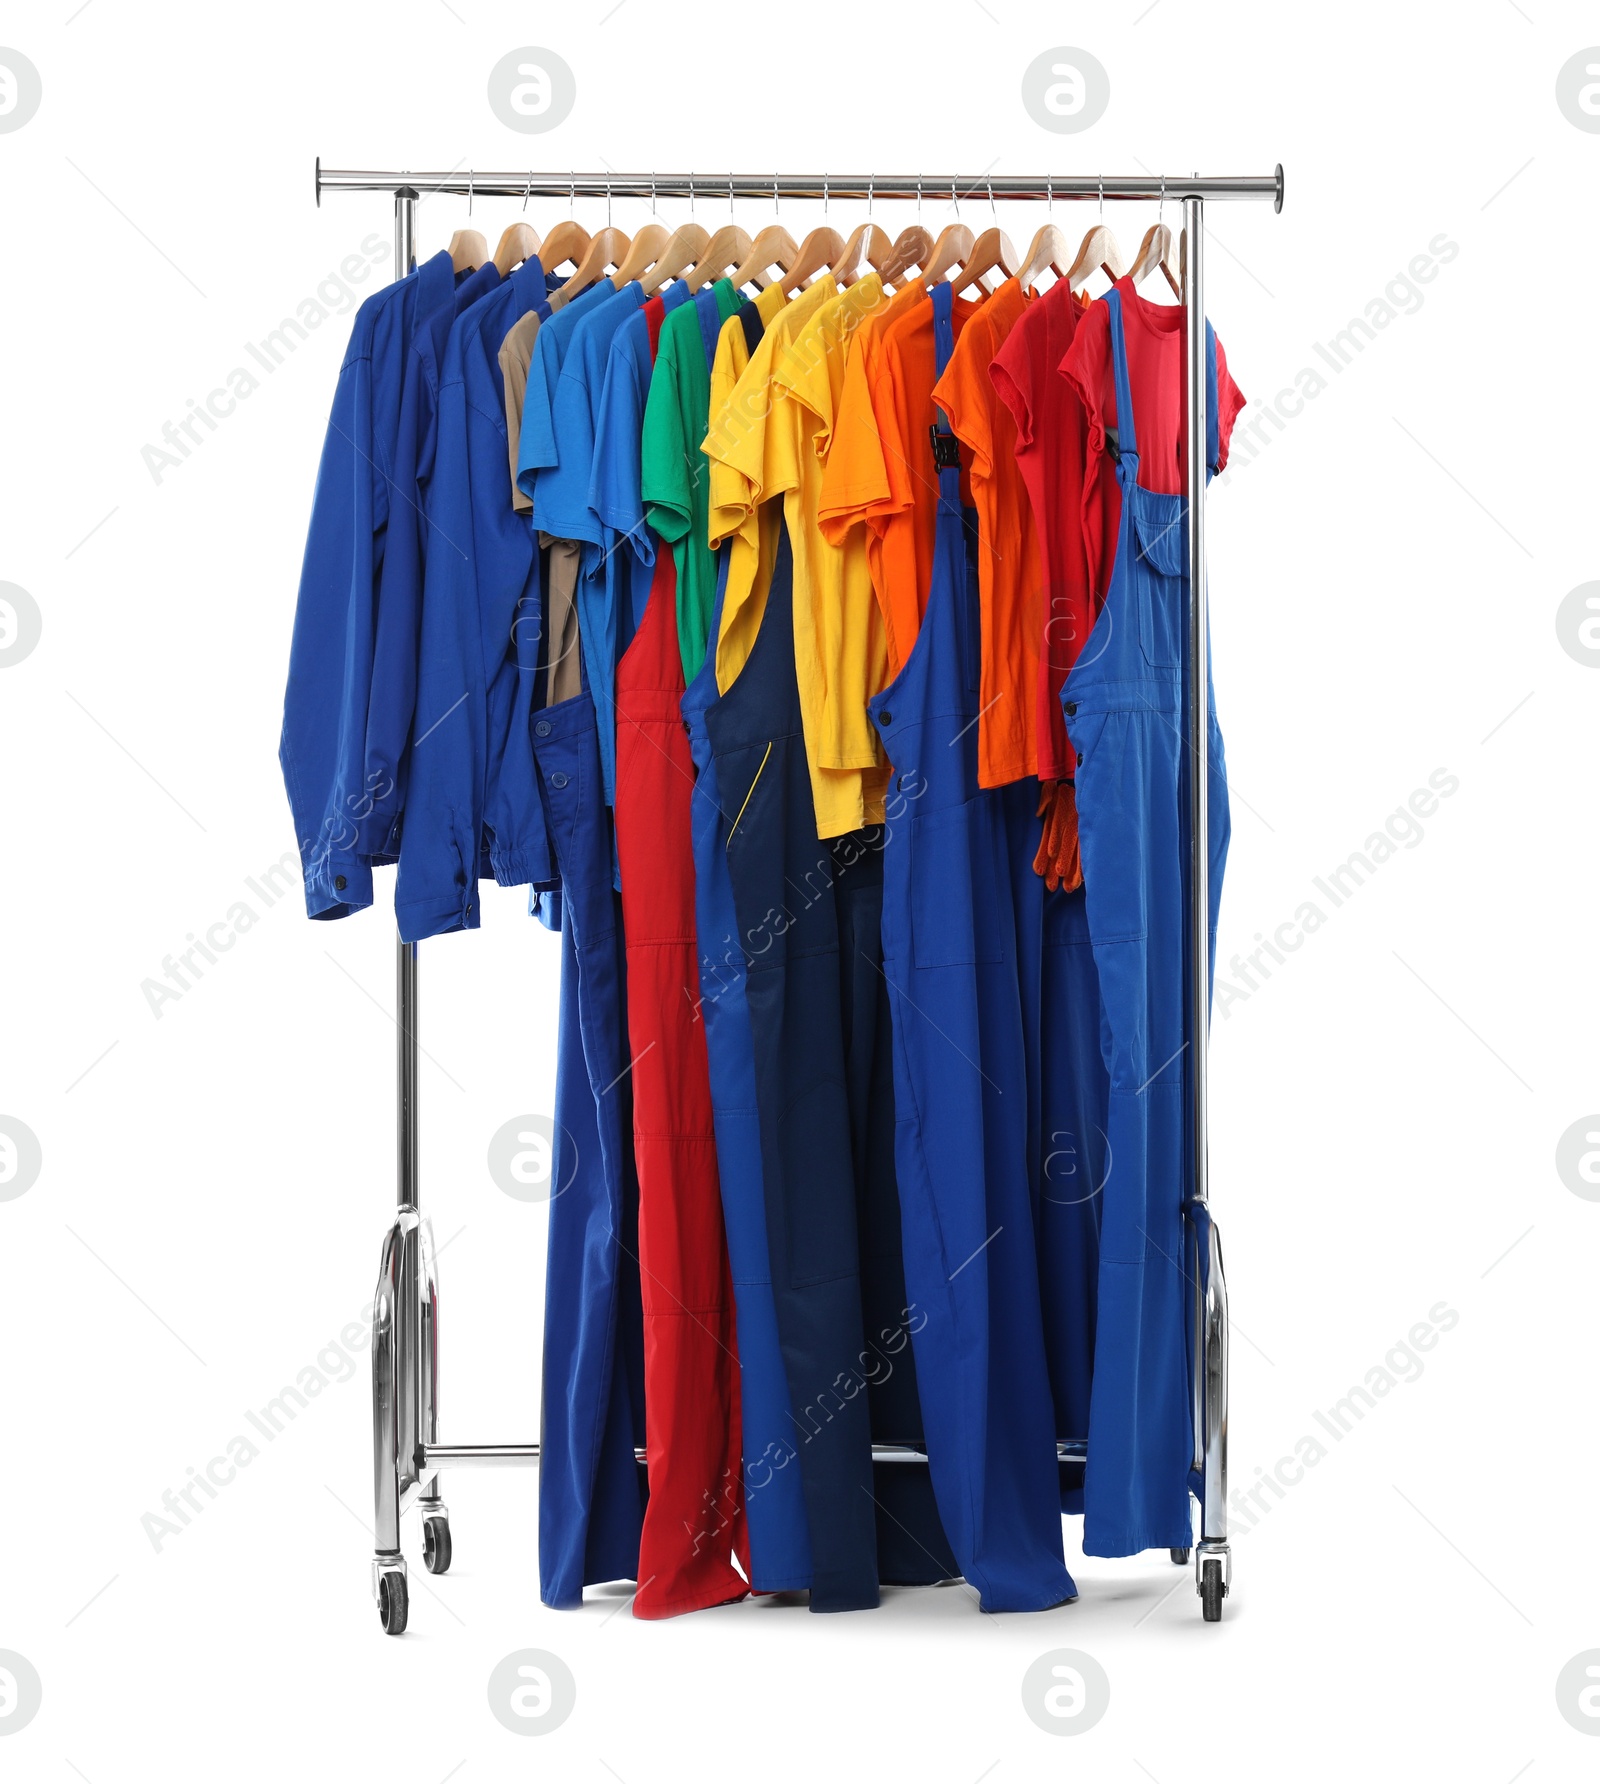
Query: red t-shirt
1154, 335
1064, 483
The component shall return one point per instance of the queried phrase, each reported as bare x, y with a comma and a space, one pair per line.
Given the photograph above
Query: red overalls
694, 1521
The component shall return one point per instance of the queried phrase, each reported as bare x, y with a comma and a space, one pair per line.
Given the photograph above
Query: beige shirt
516, 355
561, 585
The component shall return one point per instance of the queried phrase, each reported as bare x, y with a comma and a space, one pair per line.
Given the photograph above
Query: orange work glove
1057, 861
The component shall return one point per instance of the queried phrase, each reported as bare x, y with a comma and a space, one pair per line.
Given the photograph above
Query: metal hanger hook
775, 208
824, 198
954, 200
730, 197
992, 211
1102, 198
691, 197
608, 204
919, 201
572, 192
871, 180
1161, 209
653, 211
1050, 195
471, 177
527, 189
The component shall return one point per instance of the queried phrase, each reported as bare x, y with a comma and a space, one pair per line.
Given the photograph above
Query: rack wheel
1212, 1590
1180, 1557
393, 1603
436, 1544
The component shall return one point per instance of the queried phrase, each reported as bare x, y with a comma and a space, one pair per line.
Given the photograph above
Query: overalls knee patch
775, 1512
782, 880
963, 1139
1124, 705
591, 1490
694, 1520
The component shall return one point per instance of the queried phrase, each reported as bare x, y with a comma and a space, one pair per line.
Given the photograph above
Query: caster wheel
1212, 1591
393, 1603
1180, 1557
436, 1544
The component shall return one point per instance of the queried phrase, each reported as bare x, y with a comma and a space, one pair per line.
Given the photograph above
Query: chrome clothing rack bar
407, 1455
712, 185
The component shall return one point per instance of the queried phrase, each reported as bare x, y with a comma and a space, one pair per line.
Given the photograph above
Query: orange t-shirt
880, 468
1010, 587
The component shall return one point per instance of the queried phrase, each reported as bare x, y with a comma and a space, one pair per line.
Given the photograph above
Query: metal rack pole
931, 187
1207, 1287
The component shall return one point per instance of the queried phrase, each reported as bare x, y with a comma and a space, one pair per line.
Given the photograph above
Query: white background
1386, 1109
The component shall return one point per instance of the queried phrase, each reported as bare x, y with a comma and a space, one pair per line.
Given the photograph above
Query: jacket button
558, 780
1072, 709
886, 717
469, 910
1080, 758
542, 728
338, 882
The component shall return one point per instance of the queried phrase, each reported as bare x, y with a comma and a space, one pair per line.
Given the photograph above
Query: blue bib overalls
775, 1514
591, 1490
1124, 705
781, 877
962, 940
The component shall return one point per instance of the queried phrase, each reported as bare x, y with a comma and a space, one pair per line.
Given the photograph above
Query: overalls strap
1127, 433
946, 448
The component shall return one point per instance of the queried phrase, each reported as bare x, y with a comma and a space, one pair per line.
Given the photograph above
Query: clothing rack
407, 1455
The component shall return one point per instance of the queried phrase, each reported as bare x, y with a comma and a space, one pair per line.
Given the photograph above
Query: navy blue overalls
591, 1490
782, 893
961, 948
1124, 705
775, 1513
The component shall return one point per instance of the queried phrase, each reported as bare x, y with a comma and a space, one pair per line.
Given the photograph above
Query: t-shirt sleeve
561, 492
801, 374
537, 450
736, 445
1086, 365
663, 446
1230, 400
1011, 374
855, 486
962, 395
614, 488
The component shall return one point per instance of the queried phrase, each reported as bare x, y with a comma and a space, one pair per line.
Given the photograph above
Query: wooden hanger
643, 255
1099, 248
567, 243
606, 251
468, 249
1047, 252
520, 242
1155, 252
687, 243
912, 248
867, 240
951, 251
991, 252
726, 251
817, 254
773, 247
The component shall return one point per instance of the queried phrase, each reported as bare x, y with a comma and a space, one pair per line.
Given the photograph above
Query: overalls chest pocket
1160, 539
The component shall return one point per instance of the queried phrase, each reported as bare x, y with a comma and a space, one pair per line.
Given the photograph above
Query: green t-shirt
674, 477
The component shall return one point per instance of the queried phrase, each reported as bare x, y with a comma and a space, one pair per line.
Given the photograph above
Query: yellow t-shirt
840, 654
770, 439
760, 532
